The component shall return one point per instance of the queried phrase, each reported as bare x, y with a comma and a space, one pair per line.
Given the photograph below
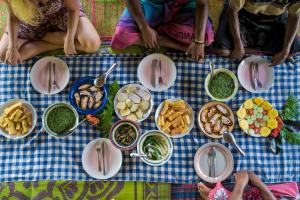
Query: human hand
196, 51
150, 37
254, 179
242, 178
69, 47
237, 53
279, 57
13, 56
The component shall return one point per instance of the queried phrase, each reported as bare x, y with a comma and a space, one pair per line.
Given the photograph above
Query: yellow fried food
266, 105
15, 119
258, 100
244, 124
241, 113
272, 123
178, 104
12, 108
248, 104
174, 117
273, 113
265, 131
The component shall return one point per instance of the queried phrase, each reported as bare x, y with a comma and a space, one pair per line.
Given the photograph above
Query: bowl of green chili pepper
157, 147
223, 86
59, 118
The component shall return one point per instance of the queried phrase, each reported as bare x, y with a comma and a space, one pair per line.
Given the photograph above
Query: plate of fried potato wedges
175, 117
215, 118
17, 119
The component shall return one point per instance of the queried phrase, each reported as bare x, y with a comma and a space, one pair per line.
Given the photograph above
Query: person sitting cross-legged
37, 26
177, 24
259, 27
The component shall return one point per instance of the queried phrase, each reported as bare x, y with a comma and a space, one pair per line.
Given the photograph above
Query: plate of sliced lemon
258, 118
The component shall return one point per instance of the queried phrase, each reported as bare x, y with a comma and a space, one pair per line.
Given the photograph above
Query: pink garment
279, 190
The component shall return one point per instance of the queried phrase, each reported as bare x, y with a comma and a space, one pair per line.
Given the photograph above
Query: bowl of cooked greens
223, 86
157, 147
59, 119
124, 134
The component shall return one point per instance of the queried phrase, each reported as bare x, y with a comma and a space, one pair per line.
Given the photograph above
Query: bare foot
254, 179
203, 190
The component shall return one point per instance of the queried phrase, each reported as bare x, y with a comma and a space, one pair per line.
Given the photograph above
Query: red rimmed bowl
124, 134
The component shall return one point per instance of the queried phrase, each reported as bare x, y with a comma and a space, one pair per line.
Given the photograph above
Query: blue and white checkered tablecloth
40, 156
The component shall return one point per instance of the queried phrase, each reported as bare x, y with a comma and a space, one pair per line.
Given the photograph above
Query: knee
90, 45
2, 55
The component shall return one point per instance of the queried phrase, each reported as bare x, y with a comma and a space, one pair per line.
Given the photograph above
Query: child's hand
13, 56
69, 47
196, 51
150, 37
279, 58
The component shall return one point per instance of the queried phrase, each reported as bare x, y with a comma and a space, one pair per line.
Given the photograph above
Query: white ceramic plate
29, 107
266, 74
224, 162
192, 118
39, 75
146, 74
90, 159
146, 115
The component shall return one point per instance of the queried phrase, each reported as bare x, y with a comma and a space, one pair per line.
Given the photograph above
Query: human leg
263, 188
127, 31
4, 44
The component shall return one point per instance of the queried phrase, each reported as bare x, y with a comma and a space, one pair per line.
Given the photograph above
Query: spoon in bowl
136, 155
212, 70
101, 80
73, 128
228, 137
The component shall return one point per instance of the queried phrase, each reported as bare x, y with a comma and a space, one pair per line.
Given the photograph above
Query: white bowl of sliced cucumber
157, 146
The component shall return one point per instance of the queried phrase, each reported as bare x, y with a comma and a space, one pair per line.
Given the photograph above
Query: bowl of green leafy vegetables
222, 86
157, 147
59, 119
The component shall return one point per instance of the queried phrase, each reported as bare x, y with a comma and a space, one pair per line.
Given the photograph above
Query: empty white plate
266, 74
150, 77
90, 159
40, 75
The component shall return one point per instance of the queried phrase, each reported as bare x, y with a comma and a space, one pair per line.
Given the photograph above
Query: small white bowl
192, 118
146, 115
235, 80
160, 134
30, 109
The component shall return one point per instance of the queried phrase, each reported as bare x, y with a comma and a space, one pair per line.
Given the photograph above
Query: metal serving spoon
136, 155
212, 70
101, 80
73, 128
228, 137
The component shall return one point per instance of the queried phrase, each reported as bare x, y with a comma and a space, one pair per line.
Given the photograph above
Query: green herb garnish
291, 108
290, 112
106, 116
221, 85
61, 119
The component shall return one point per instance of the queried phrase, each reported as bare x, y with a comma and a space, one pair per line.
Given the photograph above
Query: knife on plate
49, 76
253, 76
104, 157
